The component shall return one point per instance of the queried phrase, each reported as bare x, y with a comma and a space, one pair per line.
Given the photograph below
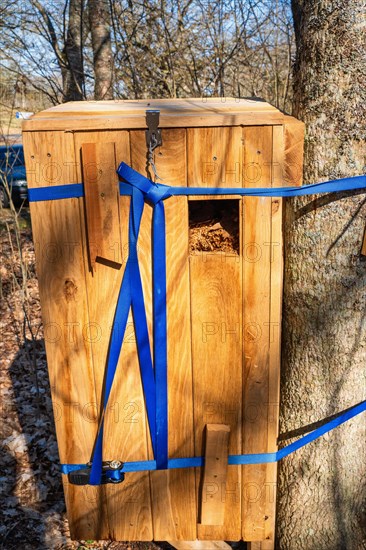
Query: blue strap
259, 458
130, 295
56, 192
154, 379
135, 179
335, 186
159, 191
160, 335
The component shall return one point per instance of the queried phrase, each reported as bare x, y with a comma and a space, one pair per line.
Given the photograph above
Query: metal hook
153, 139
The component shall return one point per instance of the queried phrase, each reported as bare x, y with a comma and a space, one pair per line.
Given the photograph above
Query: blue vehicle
12, 175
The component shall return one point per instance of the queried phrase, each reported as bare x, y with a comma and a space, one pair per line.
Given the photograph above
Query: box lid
174, 113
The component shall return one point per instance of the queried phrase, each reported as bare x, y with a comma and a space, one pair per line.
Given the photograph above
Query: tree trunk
322, 487
100, 25
69, 56
73, 72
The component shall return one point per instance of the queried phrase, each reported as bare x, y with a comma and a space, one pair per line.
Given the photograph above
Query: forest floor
32, 512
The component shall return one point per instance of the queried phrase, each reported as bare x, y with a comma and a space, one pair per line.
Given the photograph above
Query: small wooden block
215, 474
101, 203
261, 545
199, 544
363, 249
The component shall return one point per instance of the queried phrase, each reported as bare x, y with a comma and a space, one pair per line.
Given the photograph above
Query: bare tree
73, 53
42, 42
100, 27
69, 57
78, 49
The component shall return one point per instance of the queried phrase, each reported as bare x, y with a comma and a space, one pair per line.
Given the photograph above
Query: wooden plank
257, 286
101, 202
260, 545
129, 505
199, 544
294, 151
217, 332
138, 106
168, 120
58, 240
215, 474
220, 163
173, 491
363, 249
276, 266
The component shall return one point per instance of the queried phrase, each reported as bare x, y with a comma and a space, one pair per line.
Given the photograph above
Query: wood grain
216, 336
276, 263
363, 249
101, 203
173, 491
294, 131
215, 157
257, 286
60, 259
260, 545
177, 106
129, 506
199, 545
214, 474
175, 113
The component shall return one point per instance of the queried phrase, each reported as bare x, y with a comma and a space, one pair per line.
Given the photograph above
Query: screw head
115, 464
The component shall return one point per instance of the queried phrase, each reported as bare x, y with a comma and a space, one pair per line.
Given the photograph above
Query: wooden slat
294, 151
220, 163
129, 506
216, 285
217, 361
214, 474
276, 265
199, 545
257, 286
363, 249
58, 240
173, 491
168, 105
174, 114
101, 202
260, 545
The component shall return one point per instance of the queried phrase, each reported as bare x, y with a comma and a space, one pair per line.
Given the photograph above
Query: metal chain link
150, 156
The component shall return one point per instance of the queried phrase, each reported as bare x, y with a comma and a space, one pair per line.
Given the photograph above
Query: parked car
12, 174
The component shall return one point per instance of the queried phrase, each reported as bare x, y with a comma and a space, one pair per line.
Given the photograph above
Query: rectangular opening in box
214, 226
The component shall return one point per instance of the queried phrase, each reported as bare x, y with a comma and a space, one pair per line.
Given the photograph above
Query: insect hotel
161, 295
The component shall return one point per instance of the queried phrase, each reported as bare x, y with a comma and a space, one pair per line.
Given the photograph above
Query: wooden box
224, 283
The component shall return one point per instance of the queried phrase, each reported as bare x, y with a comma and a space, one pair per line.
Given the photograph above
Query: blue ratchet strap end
111, 472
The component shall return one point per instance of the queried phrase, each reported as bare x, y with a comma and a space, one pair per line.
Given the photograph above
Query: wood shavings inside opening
214, 226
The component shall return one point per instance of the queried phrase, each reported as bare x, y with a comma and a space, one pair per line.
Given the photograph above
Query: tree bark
322, 487
73, 71
70, 56
100, 25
